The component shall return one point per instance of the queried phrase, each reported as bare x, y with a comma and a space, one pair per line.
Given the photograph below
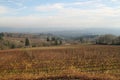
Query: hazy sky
60, 13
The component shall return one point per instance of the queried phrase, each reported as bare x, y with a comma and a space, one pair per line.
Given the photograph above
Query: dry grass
85, 62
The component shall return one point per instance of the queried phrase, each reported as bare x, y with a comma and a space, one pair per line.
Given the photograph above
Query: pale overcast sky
60, 13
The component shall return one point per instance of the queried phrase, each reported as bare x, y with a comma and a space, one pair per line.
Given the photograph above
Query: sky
64, 14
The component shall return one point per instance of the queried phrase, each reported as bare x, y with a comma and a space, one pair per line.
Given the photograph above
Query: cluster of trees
54, 40
108, 40
10, 44
12, 40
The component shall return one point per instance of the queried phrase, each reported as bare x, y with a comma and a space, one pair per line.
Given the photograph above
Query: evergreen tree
27, 42
48, 39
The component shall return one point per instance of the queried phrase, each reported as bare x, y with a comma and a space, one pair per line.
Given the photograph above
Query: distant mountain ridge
64, 32
90, 31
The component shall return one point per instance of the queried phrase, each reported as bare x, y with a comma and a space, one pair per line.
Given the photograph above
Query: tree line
11, 42
108, 40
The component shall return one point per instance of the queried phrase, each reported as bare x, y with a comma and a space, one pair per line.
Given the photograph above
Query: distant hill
65, 32
90, 31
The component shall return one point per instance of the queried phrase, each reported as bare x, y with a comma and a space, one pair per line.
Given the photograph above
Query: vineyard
82, 61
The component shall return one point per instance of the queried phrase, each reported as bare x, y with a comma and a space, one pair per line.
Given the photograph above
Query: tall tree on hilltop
27, 42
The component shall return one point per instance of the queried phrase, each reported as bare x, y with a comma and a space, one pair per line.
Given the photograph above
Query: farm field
81, 62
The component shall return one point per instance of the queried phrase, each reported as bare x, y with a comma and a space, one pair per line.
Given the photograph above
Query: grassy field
84, 62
